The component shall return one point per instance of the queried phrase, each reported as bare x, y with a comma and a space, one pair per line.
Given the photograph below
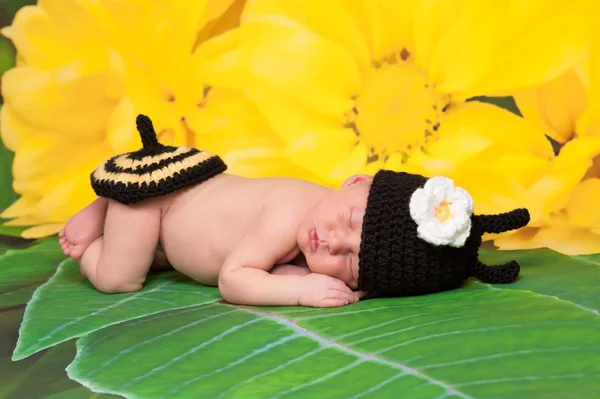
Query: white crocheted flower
442, 212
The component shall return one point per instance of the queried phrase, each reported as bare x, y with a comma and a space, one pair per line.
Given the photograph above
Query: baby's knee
110, 285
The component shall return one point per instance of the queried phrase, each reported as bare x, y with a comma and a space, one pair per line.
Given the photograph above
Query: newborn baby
277, 241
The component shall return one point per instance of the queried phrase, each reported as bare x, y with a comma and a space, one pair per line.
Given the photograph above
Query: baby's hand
321, 291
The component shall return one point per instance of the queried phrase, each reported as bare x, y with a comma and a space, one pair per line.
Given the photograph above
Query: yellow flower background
318, 90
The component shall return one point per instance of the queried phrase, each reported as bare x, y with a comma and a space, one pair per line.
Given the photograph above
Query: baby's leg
120, 260
83, 228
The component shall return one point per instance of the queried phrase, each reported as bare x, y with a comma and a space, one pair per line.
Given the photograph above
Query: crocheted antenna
147, 133
508, 272
420, 236
154, 170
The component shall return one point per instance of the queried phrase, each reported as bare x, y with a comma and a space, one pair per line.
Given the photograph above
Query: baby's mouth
313, 240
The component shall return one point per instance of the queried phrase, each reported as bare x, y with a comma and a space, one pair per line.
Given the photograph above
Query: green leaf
38, 376
45, 376
7, 194
7, 55
508, 103
23, 270
83, 309
11, 231
10, 8
536, 338
79, 393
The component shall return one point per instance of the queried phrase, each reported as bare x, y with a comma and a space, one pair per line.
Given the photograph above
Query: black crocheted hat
154, 170
420, 236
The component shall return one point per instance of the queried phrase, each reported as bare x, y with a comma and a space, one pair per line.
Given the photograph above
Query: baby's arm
245, 278
120, 260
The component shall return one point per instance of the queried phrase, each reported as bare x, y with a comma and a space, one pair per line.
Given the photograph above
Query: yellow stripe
123, 162
155, 176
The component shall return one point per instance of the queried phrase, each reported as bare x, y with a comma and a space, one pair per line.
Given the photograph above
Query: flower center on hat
397, 110
442, 212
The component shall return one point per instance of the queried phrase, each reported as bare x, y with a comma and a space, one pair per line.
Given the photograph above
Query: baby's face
329, 236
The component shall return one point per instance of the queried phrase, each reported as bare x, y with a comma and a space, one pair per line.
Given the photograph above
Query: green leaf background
61, 339
536, 338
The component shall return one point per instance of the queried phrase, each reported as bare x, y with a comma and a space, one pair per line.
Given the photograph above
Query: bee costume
153, 171
419, 234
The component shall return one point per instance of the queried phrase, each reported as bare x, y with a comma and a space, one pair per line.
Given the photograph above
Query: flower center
442, 212
397, 109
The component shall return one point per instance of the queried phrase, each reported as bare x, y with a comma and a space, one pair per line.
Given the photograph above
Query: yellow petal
521, 167
352, 31
555, 106
576, 150
220, 61
421, 163
291, 60
551, 192
178, 24
68, 197
332, 154
27, 220
569, 240
121, 129
13, 130
369, 22
44, 230
541, 40
21, 207
473, 126
582, 208
32, 31
214, 9
38, 96
590, 123
229, 121
40, 165
231, 126
432, 19
492, 192
53, 34
525, 238
289, 117
265, 162
220, 17
456, 68
396, 31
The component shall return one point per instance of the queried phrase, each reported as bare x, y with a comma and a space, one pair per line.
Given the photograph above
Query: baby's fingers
332, 303
360, 294
348, 297
339, 285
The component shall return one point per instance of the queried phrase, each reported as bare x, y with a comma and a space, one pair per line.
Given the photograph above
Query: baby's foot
83, 228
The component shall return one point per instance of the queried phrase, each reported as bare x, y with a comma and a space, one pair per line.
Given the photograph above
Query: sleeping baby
278, 241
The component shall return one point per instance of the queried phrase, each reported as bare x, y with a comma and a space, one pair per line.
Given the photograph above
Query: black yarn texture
134, 191
394, 261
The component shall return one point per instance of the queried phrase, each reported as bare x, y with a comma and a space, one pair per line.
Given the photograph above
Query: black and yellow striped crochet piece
154, 170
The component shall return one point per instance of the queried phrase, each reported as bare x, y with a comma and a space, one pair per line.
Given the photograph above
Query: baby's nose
338, 242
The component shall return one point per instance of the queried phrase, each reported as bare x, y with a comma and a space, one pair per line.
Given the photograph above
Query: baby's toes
66, 249
61, 233
76, 251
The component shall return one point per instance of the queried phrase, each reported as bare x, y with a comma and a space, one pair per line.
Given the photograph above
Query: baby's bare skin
248, 236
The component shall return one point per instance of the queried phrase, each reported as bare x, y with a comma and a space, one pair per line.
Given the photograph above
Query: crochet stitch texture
394, 261
153, 171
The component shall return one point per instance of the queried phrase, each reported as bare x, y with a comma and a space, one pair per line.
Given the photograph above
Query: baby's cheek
322, 264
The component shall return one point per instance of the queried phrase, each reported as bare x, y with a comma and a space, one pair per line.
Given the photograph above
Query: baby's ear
356, 179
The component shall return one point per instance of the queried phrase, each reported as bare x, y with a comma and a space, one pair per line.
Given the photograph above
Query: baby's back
204, 223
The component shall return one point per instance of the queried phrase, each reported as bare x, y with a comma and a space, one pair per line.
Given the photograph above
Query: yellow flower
353, 86
566, 198
86, 68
